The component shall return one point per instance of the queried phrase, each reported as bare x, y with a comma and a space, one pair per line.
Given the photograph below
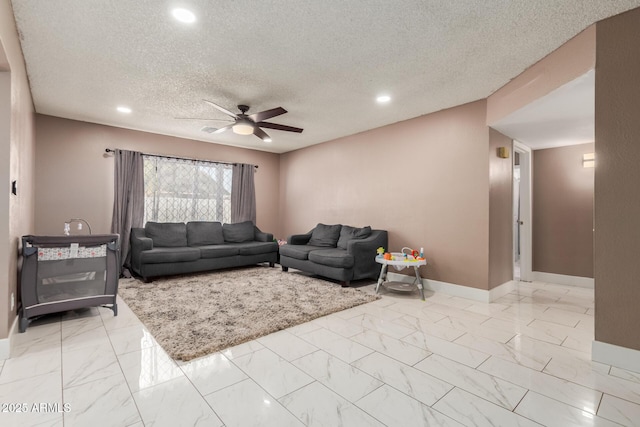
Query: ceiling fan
247, 124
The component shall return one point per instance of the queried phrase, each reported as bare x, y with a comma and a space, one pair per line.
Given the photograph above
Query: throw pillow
238, 233
325, 235
351, 233
167, 234
202, 233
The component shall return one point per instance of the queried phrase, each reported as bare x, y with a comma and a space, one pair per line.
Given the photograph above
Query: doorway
522, 247
516, 216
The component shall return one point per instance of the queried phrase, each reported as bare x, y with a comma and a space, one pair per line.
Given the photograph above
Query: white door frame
526, 250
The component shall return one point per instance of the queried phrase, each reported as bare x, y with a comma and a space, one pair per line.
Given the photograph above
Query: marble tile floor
523, 360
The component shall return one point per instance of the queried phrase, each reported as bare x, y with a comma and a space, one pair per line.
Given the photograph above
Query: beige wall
569, 61
74, 175
563, 211
617, 181
424, 180
17, 161
500, 210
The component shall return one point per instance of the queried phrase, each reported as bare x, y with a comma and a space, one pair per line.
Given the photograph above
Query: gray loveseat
339, 252
162, 249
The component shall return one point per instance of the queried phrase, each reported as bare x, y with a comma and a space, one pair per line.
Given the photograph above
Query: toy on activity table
406, 254
412, 254
381, 253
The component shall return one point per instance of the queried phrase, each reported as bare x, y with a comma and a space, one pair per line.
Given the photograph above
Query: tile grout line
250, 378
198, 390
559, 354
62, 373
135, 403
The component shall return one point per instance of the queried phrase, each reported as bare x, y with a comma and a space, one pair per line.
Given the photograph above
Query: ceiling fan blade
267, 114
279, 127
201, 118
261, 134
222, 129
224, 110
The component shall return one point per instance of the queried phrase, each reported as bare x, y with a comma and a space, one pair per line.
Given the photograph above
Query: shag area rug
194, 315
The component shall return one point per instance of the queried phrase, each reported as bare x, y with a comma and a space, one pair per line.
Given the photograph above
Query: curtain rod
109, 150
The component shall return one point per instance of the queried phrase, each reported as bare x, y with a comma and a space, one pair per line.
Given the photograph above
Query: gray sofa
163, 249
339, 252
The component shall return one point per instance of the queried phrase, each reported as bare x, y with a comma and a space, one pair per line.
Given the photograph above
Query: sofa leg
285, 268
272, 264
147, 279
345, 284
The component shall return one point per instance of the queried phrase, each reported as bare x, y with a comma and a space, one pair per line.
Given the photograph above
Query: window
181, 190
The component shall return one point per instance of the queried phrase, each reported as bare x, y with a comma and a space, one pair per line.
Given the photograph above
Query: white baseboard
561, 279
5, 348
501, 290
5, 343
452, 289
620, 357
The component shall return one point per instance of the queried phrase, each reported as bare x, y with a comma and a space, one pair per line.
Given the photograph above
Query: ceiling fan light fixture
183, 15
242, 128
250, 124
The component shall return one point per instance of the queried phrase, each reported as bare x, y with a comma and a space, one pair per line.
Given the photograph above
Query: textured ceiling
323, 61
566, 116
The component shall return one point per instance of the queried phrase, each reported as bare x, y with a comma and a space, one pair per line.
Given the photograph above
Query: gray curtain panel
128, 199
243, 194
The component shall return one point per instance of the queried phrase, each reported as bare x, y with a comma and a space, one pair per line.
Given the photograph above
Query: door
516, 216
522, 213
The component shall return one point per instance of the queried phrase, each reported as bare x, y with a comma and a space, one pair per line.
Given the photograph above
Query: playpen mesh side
61, 276
64, 268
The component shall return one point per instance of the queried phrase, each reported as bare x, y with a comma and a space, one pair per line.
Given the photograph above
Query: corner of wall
567, 62
500, 210
617, 206
17, 151
620, 357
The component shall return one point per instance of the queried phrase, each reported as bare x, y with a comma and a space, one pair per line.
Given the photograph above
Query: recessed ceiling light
383, 99
183, 15
267, 140
124, 110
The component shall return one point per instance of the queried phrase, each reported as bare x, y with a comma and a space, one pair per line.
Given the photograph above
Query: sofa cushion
238, 233
162, 255
166, 234
325, 235
351, 233
202, 233
217, 251
254, 248
298, 251
338, 258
